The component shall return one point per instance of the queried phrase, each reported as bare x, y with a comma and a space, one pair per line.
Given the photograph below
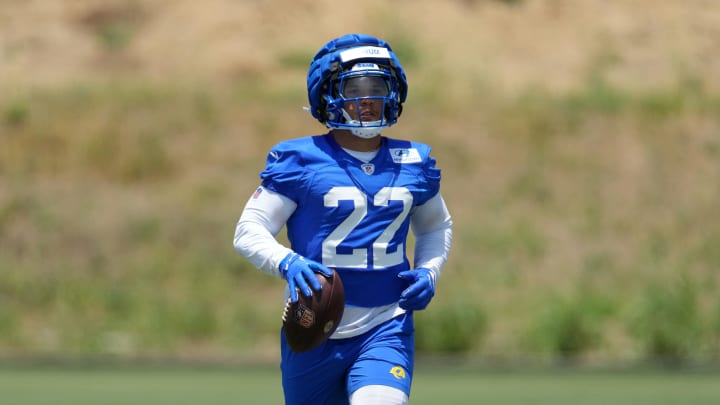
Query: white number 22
359, 257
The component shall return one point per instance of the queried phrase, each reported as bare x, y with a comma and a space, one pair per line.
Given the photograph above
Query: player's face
365, 109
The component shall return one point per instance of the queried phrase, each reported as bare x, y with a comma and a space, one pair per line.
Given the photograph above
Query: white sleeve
262, 219
432, 226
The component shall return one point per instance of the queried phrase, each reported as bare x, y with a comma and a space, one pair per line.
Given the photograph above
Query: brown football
310, 321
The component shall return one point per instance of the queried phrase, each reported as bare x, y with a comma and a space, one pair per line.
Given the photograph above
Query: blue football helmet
346, 74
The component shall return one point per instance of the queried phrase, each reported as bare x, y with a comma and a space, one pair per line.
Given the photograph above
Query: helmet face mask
356, 83
361, 100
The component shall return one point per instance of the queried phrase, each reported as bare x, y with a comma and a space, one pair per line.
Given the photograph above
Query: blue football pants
328, 374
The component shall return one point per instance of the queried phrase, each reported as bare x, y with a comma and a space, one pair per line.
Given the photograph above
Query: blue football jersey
351, 215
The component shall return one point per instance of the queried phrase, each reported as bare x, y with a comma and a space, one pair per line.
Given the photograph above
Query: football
310, 321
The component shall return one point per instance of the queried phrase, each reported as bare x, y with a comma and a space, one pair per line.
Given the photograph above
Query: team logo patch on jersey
405, 155
305, 316
398, 372
368, 168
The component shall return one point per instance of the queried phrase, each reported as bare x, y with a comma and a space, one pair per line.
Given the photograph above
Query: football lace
285, 310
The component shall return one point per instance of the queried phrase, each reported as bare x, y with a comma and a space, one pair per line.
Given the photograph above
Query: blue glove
300, 274
421, 290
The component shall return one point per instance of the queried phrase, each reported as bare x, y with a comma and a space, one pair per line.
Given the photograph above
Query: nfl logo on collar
368, 168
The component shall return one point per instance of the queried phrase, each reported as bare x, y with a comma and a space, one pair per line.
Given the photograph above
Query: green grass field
217, 386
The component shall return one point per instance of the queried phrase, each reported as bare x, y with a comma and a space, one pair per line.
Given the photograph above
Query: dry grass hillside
579, 142
552, 43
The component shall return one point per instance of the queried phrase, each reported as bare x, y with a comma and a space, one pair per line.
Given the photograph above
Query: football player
348, 199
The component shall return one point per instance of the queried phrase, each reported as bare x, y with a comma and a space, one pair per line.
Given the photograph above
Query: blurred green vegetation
586, 224
432, 384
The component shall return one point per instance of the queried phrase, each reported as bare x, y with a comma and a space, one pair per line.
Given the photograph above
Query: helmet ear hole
393, 110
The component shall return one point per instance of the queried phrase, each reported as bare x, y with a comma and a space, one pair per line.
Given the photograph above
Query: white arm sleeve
261, 220
432, 226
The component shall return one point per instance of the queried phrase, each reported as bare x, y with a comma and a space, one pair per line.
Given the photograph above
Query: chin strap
359, 131
366, 133
362, 131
